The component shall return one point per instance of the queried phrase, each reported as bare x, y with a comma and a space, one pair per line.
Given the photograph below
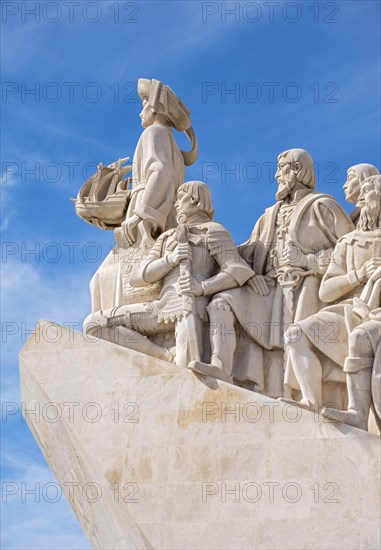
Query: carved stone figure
342, 332
158, 164
362, 367
158, 169
192, 262
289, 252
355, 176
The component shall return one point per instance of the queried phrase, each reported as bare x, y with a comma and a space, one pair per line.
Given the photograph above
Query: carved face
368, 194
352, 186
147, 114
185, 204
286, 177
370, 203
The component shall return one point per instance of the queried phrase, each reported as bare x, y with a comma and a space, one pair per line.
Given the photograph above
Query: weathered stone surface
199, 463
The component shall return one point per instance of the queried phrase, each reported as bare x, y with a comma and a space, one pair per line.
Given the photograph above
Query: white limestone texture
157, 171
199, 463
281, 317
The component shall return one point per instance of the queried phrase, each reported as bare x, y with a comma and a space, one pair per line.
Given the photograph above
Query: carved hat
164, 100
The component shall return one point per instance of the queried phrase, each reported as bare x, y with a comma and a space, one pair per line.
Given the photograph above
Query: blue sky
300, 74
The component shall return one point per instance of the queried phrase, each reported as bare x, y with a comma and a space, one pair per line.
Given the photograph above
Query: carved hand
377, 273
129, 227
259, 284
189, 285
182, 251
293, 256
368, 269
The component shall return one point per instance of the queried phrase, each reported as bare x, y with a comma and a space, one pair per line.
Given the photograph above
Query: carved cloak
317, 222
157, 172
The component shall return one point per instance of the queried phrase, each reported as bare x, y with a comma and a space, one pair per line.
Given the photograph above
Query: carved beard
286, 186
369, 216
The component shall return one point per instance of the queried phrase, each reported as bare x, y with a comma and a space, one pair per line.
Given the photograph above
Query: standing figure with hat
158, 165
158, 169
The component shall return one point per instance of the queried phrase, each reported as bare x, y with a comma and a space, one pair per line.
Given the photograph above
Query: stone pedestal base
154, 456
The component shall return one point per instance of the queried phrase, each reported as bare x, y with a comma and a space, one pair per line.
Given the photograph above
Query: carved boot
302, 404
223, 343
359, 400
117, 329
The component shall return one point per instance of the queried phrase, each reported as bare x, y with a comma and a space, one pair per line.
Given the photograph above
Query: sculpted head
149, 115
193, 197
369, 201
355, 176
162, 104
295, 167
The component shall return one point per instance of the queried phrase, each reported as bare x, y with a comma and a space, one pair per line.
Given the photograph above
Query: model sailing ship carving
103, 198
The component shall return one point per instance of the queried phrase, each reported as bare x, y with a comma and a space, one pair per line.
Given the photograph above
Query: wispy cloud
29, 295
7, 207
30, 521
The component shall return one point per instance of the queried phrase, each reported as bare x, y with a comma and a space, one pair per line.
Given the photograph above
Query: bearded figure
346, 335
355, 176
289, 252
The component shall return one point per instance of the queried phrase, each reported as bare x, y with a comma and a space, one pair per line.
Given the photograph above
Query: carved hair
306, 174
364, 170
370, 215
200, 193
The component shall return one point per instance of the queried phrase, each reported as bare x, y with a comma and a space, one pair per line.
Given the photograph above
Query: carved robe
157, 172
314, 225
328, 330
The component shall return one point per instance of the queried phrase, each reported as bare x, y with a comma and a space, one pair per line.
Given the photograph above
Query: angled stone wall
153, 456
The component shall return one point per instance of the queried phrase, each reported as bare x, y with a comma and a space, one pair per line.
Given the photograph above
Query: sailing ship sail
103, 198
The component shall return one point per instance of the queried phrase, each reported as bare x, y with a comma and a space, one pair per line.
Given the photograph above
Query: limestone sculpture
289, 252
294, 313
176, 287
352, 283
355, 176
158, 169
193, 262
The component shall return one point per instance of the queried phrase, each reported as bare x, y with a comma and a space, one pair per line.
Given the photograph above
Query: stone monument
231, 389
